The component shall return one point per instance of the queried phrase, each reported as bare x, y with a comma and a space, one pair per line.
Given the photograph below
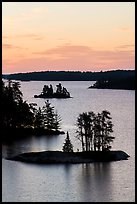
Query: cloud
27, 36
10, 46
84, 52
126, 46
94, 60
66, 51
75, 57
31, 35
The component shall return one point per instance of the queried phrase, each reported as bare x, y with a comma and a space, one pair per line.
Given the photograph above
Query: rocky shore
51, 157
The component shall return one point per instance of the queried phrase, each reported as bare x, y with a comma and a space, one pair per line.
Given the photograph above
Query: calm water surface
96, 182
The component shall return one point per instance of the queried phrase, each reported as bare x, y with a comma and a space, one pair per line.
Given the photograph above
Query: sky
67, 36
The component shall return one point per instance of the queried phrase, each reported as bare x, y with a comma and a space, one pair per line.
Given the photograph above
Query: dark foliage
71, 75
48, 92
67, 147
127, 83
20, 118
94, 131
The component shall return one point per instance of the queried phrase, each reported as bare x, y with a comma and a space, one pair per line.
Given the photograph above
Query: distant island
61, 92
54, 157
127, 83
70, 75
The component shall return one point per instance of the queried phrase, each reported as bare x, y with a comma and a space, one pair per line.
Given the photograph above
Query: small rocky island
54, 157
69, 156
47, 92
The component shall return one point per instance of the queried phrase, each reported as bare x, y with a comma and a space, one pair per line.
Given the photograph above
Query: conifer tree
16, 113
38, 122
67, 147
51, 119
57, 120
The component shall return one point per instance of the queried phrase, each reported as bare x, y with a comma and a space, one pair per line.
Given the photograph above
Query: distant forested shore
127, 83
71, 75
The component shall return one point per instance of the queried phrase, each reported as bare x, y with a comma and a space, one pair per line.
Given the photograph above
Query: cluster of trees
62, 90
17, 113
94, 131
48, 90
47, 118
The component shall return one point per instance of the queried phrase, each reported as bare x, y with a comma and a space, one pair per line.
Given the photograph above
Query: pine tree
51, 119
57, 120
67, 147
48, 115
16, 113
106, 130
38, 122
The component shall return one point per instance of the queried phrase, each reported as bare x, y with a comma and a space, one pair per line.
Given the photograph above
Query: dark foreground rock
49, 157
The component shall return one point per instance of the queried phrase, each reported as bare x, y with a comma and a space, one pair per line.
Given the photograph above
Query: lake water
95, 182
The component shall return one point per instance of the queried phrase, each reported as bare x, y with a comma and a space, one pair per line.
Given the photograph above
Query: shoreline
20, 133
59, 157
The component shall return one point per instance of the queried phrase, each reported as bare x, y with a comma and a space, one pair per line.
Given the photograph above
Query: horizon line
133, 69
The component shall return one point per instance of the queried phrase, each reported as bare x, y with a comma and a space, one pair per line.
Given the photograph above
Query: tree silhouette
38, 121
57, 120
106, 130
85, 124
18, 114
94, 131
12, 102
67, 147
50, 118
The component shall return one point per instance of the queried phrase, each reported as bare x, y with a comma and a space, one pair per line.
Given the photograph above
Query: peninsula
127, 83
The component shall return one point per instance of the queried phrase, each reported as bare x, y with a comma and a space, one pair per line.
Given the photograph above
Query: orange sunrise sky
74, 36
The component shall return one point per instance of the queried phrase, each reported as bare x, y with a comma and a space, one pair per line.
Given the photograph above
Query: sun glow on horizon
67, 36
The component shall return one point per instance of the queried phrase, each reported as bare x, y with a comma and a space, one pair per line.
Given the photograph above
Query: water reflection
67, 171
95, 181
30, 144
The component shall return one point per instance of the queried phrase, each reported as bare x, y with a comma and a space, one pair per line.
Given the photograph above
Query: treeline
19, 116
70, 75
